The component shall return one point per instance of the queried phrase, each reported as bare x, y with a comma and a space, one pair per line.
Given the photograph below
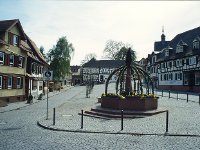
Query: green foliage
59, 57
117, 50
42, 51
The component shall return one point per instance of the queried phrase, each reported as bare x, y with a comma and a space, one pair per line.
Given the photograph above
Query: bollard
162, 93
199, 99
167, 121
169, 93
54, 116
81, 119
122, 117
177, 95
187, 97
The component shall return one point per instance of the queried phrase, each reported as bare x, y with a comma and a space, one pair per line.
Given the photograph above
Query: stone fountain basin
130, 103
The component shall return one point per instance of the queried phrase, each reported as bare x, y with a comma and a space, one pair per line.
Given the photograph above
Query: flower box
130, 103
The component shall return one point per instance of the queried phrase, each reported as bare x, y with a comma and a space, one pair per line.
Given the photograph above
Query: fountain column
128, 85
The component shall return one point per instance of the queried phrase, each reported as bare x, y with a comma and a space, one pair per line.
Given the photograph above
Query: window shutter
19, 41
5, 82
23, 61
21, 83
7, 59
16, 58
14, 82
187, 61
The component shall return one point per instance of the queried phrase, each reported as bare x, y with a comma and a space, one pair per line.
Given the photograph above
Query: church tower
163, 35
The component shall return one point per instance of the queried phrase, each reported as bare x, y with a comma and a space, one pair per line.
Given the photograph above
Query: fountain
128, 97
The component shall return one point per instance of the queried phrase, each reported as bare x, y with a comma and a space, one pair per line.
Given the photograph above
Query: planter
130, 103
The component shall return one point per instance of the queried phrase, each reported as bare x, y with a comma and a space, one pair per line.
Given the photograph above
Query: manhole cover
69, 115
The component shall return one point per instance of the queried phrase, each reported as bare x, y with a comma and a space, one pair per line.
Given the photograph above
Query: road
19, 131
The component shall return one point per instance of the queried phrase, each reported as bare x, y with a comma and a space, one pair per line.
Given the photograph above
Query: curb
116, 133
18, 108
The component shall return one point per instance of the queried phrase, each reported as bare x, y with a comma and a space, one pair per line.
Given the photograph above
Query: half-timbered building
99, 70
177, 65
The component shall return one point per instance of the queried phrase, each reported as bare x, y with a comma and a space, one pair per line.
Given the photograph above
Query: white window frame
179, 49
11, 63
2, 61
179, 76
11, 79
19, 85
192, 60
15, 40
1, 82
21, 61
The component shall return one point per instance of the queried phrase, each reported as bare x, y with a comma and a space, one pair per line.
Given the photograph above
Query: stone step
110, 115
125, 112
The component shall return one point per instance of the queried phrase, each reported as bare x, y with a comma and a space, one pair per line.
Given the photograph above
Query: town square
99, 75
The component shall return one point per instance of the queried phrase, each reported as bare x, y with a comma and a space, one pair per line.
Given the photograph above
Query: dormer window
195, 44
166, 53
13, 39
180, 46
179, 49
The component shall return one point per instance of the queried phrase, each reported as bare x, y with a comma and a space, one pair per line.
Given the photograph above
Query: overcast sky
89, 24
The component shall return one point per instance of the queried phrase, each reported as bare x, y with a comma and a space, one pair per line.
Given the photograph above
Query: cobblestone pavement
183, 117
19, 131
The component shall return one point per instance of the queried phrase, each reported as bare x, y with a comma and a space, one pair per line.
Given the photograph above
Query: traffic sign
48, 75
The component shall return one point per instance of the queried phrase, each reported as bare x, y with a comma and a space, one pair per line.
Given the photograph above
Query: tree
88, 57
60, 57
42, 51
117, 50
121, 55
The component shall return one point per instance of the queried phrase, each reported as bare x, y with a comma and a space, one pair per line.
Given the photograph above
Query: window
18, 82
1, 82
20, 62
15, 40
11, 60
34, 85
170, 76
33, 68
179, 49
192, 60
195, 44
9, 82
1, 58
166, 52
178, 76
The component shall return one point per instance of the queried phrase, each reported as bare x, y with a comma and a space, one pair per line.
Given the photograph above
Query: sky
88, 25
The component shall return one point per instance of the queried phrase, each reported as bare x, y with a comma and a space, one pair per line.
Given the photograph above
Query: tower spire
162, 29
163, 35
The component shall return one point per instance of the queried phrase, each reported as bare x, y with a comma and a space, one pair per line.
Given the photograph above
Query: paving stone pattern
183, 117
19, 130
